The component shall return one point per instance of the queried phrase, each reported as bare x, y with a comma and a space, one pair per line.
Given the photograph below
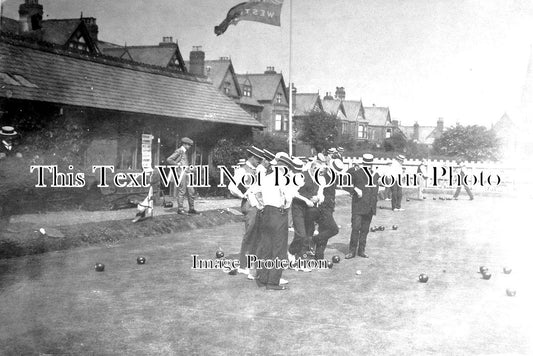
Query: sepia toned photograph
266, 177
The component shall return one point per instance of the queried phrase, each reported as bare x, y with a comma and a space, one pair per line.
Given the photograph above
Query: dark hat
256, 152
269, 156
368, 158
7, 131
187, 141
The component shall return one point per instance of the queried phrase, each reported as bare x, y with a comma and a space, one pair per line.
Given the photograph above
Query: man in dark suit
364, 201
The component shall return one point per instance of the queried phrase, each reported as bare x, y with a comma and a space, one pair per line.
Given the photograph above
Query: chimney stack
328, 96
270, 70
90, 23
340, 93
197, 61
416, 131
440, 125
30, 15
167, 42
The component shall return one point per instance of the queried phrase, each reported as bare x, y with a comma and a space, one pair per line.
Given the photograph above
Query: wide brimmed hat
340, 149
400, 158
320, 158
187, 141
7, 131
241, 162
256, 152
298, 163
368, 158
332, 150
269, 156
338, 166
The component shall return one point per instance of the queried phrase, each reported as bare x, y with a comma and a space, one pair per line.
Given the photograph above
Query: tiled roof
334, 107
264, 86
154, 55
59, 31
245, 100
9, 25
57, 77
305, 102
102, 45
377, 116
352, 109
217, 71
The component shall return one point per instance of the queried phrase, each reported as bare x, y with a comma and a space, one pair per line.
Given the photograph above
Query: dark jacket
365, 204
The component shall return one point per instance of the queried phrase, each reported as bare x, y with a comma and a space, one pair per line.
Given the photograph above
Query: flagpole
290, 79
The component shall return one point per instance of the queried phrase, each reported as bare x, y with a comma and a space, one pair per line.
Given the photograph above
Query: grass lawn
55, 303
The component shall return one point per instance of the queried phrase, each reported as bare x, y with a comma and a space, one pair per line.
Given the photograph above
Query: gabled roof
86, 81
504, 123
158, 55
264, 86
334, 107
377, 116
59, 31
353, 109
306, 102
103, 45
55, 31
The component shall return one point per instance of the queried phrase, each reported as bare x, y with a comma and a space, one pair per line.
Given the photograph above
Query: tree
396, 142
473, 143
319, 130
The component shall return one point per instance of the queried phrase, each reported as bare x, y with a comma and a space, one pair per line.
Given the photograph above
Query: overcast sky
463, 60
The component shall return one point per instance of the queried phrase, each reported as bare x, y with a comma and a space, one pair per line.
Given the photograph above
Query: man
179, 158
462, 168
274, 226
7, 138
249, 205
305, 198
396, 171
422, 174
364, 201
327, 226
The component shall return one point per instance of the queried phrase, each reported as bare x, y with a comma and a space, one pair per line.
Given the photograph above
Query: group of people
310, 203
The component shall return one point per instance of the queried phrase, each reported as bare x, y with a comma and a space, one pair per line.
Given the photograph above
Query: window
227, 88
278, 123
388, 133
78, 42
362, 132
285, 123
278, 98
247, 90
255, 115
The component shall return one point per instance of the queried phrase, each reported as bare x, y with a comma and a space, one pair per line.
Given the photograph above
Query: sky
462, 60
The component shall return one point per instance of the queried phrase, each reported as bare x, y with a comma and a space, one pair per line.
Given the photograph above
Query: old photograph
266, 177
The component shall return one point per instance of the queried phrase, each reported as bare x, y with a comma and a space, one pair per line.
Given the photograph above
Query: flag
265, 11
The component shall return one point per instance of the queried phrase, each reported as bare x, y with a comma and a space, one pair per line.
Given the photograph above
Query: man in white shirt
246, 189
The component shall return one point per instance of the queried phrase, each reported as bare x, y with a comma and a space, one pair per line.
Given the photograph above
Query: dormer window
78, 43
227, 88
247, 90
278, 98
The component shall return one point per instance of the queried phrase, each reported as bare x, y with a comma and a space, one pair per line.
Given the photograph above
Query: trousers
251, 231
327, 228
273, 242
360, 227
396, 196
